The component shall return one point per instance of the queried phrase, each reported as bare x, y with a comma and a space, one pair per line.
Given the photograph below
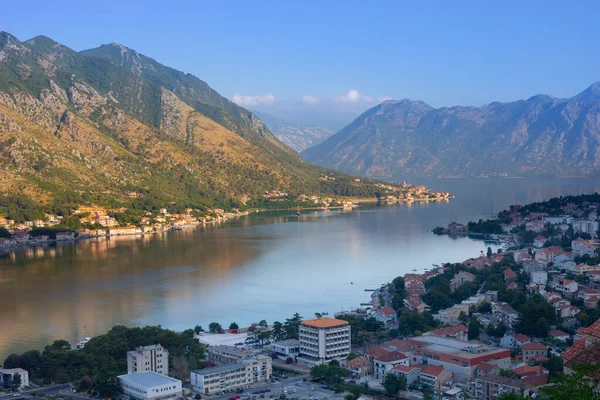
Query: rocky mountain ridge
540, 136
98, 125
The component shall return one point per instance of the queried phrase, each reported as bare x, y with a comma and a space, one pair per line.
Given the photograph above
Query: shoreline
353, 201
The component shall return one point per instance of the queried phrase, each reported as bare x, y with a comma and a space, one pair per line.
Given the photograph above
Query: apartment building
323, 340
153, 358
150, 385
258, 367
219, 378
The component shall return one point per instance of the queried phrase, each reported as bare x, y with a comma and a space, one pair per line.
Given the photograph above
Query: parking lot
292, 388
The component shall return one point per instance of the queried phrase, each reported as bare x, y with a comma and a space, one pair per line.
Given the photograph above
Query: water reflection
264, 266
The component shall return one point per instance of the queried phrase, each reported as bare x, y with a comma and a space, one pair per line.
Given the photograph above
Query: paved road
46, 389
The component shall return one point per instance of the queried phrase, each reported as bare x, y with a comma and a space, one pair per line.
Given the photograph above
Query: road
64, 389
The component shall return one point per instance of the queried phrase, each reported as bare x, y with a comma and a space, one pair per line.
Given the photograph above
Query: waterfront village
99, 222
510, 324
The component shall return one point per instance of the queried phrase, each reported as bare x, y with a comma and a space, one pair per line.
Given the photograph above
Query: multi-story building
434, 375
286, 348
7, 377
219, 378
153, 358
259, 367
358, 367
489, 387
532, 350
384, 363
323, 340
459, 357
150, 386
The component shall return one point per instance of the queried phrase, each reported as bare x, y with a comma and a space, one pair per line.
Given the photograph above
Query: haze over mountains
101, 124
298, 137
540, 136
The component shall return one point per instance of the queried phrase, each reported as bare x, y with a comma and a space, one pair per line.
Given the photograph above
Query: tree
277, 332
393, 383
16, 381
292, 325
554, 365
428, 393
474, 329
180, 368
263, 323
198, 329
197, 396
234, 325
4, 233
489, 252
351, 356
582, 384
214, 327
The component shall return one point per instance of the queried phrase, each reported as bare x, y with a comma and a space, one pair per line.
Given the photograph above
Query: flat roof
287, 342
147, 379
324, 322
219, 368
456, 347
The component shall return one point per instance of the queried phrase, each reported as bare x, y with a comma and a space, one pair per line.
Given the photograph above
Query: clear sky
348, 53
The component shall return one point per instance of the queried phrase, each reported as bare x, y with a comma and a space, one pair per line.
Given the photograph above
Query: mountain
296, 136
540, 136
109, 125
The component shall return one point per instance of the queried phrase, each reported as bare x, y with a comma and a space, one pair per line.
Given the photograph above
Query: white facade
585, 226
222, 377
153, 358
7, 375
539, 277
150, 386
288, 348
323, 340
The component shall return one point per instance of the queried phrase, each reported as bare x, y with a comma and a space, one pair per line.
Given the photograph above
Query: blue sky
277, 53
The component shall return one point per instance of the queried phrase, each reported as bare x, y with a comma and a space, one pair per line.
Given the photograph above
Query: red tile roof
519, 337
534, 346
593, 330
558, 333
376, 351
434, 370
486, 367
510, 274
391, 356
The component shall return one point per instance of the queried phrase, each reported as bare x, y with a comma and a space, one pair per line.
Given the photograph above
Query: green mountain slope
107, 125
541, 136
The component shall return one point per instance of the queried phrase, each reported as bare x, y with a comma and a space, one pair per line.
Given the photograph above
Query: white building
7, 376
150, 386
286, 348
153, 358
558, 220
585, 226
383, 364
323, 340
219, 378
539, 277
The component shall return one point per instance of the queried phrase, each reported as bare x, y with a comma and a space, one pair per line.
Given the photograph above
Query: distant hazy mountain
541, 136
296, 136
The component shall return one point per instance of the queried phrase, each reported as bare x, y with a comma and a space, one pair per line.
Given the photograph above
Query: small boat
352, 283
324, 313
414, 270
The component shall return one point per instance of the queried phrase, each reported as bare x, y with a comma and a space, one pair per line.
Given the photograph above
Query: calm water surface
264, 266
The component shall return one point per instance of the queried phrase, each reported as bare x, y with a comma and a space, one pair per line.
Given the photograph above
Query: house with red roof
539, 242
509, 276
415, 303
411, 373
386, 362
530, 350
565, 286
487, 369
358, 367
433, 375
460, 278
514, 340
478, 263
375, 352
459, 332
544, 256
559, 335
527, 370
